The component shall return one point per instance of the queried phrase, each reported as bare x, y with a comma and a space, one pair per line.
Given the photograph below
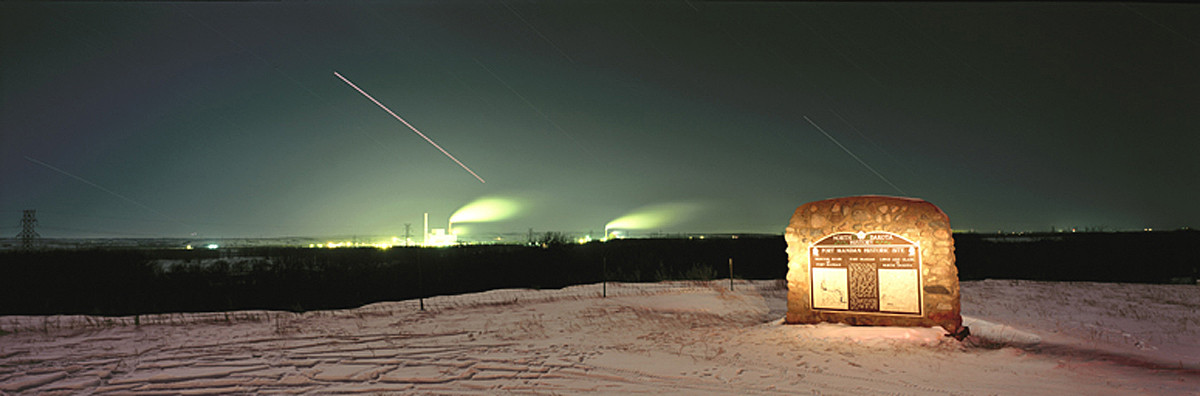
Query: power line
28, 235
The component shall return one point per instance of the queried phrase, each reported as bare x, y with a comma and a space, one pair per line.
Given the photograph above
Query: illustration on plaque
898, 291
829, 288
866, 272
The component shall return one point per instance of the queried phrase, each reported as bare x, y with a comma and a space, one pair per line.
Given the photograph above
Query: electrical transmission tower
28, 235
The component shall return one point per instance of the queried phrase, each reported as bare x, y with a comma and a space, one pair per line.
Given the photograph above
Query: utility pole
28, 235
407, 233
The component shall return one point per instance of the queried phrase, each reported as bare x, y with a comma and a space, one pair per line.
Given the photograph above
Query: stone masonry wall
913, 219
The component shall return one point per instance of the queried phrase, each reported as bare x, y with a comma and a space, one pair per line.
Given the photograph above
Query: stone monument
872, 260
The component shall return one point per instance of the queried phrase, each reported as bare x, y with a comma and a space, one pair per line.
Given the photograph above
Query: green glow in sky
485, 209
223, 119
655, 216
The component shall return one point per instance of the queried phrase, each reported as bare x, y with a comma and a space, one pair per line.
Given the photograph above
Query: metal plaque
870, 272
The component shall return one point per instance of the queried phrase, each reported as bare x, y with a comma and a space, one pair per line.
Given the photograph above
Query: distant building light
439, 238
212, 246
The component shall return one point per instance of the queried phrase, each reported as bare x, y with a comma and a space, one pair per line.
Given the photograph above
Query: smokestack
425, 234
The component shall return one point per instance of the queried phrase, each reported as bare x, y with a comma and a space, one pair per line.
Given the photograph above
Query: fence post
731, 274
420, 282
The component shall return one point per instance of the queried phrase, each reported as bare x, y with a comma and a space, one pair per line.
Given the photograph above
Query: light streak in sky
1160, 24
536, 109
690, 5
414, 129
839, 144
276, 67
252, 53
97, 186
835, 47
872, 141
539, 32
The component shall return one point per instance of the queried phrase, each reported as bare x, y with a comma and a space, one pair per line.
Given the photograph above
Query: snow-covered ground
661, 338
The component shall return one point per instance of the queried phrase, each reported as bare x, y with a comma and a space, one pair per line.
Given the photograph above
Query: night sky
226, 119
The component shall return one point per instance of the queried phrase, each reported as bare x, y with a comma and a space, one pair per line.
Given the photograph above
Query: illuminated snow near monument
691, 338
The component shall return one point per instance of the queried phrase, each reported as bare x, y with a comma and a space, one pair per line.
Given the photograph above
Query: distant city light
383, 244
440, 238
212, 246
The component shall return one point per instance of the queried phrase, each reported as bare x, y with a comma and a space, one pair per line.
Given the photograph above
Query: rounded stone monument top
872, 260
